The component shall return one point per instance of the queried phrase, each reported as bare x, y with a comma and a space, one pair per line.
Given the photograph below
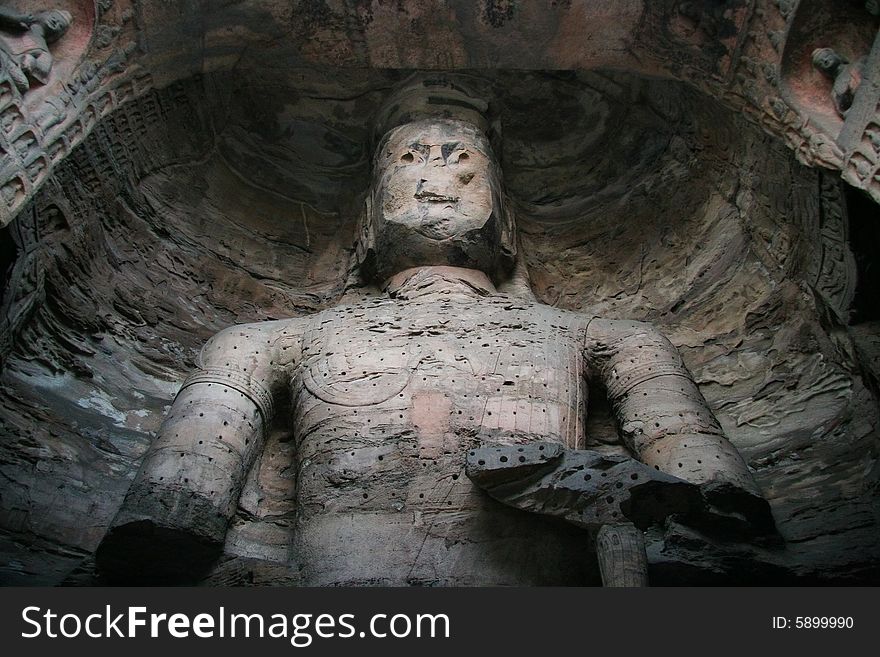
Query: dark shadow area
864, 237
8, 255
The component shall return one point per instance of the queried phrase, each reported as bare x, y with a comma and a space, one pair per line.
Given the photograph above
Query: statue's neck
418, 281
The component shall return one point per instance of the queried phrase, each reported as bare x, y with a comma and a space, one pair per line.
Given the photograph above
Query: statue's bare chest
491, 368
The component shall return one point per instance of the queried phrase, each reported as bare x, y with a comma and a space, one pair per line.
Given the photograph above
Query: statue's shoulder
256, 338
357, 305
253, 330
592, 323
561, 318
255, 345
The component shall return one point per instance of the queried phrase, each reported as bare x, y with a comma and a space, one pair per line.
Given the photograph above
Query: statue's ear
508, 230
365, 249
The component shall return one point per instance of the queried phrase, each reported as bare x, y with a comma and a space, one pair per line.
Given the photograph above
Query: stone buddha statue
392, 394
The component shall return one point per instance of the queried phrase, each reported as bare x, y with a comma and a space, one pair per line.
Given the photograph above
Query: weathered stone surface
623, 561
583, 487
436, 233
753, 57
232, 198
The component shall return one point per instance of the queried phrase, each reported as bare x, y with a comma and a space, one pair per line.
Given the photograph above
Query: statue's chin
435, 236
438, 221
436, 228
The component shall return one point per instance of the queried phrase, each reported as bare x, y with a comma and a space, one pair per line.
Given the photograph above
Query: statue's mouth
431, 197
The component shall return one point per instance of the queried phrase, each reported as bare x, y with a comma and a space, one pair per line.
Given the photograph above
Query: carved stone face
826, 60
55, 23
436, 197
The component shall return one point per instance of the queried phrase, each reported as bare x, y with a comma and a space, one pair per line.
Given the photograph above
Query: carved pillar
623, 561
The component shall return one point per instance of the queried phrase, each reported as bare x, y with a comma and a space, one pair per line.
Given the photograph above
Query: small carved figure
872, 132
873, 7
846, 78
26, 43
389, 397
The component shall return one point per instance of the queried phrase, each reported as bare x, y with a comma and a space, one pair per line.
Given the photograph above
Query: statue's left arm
662, 415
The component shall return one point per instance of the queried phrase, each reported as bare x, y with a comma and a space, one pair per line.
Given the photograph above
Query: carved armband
239, 382
621, 382
639, 359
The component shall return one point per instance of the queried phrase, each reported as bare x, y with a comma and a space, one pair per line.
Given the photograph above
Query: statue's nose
435, 157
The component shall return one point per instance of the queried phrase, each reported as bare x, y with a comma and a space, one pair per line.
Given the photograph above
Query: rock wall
753, 56
232, 197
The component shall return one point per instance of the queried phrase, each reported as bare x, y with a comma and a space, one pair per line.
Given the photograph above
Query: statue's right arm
190, 481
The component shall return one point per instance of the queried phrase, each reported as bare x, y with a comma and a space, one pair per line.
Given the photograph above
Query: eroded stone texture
622, 557
587, 489
232, 199
436, 230
753, 57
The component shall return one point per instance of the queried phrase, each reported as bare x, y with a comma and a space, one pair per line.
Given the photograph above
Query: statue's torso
388, 397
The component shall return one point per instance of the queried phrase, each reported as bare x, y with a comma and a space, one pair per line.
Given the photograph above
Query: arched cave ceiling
198, 164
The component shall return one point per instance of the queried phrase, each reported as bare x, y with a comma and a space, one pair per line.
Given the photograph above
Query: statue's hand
585, 488
732, 508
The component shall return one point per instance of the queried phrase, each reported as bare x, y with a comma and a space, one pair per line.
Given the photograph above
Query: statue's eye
407, 157
463, 157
